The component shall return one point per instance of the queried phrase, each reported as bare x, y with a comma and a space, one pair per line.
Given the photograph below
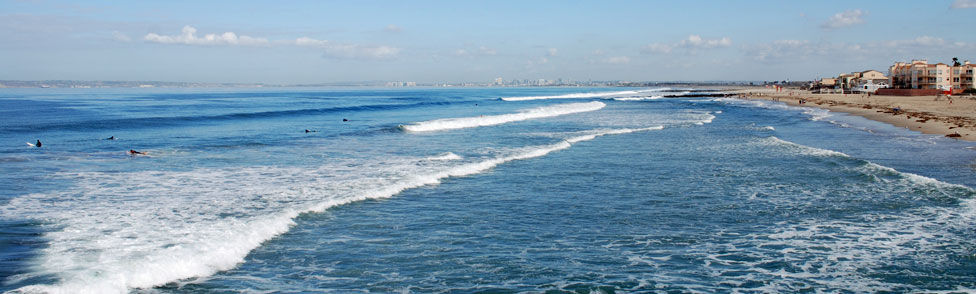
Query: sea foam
584, 95
115, 232
870, 168
490, 120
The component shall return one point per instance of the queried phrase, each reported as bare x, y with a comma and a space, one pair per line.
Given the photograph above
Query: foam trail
868, 167
582, 95
123, 231
815, 114
445, 156
637, 98
480, 121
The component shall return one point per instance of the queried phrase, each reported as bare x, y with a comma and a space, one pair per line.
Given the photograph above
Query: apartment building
962, 76
919, 74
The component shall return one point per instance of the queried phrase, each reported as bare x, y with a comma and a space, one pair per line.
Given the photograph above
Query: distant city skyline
454, 42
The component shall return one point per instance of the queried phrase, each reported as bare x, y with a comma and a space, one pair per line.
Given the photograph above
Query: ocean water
495, 190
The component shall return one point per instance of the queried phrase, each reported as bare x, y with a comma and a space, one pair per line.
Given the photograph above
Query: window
955, 80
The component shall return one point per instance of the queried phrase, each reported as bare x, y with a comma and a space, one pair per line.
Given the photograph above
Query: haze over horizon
442, 41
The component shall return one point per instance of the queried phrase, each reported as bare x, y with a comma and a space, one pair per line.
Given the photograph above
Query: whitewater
481, 121
455, 190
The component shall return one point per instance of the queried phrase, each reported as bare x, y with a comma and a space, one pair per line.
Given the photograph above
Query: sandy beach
953, 117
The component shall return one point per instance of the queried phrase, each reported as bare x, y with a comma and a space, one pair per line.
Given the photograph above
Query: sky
299, 42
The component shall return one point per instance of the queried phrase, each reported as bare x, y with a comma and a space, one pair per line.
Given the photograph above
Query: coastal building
962, 76
870, 85
853, 82
919, 74
827, 83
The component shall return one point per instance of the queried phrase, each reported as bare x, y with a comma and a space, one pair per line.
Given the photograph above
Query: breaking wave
490, 120
115, 232
583, 95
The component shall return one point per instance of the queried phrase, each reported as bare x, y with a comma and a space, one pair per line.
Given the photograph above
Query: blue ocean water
494, 190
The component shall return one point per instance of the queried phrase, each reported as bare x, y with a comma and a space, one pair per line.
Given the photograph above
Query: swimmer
110, 138
133, 152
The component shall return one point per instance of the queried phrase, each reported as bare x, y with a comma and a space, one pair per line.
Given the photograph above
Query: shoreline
954, 118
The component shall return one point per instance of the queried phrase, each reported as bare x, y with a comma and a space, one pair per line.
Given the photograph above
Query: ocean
472, 190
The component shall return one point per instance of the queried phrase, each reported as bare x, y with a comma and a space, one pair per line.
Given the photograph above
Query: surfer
110, 138
309, 131
133, 152
345, 120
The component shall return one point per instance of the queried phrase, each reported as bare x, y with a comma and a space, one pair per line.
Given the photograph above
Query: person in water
110, 138
133, 152
38, 144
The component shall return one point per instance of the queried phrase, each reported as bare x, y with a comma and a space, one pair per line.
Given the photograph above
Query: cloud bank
330, 49
844, 19
961, 4
189, 37
693, 42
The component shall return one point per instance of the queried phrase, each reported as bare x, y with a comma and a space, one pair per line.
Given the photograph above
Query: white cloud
696, 41
118, 36
189, 37
657, 48
330, 49
538, 61
793, 50
393, 29
960, 4
692, 43
844, 19
617, 60
480, 51
349, 51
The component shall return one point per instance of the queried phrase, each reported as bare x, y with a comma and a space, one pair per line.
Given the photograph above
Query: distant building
871, 85
827, 82
919, 74
962, 76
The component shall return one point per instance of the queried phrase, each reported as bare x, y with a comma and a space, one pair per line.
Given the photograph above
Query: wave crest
481, 121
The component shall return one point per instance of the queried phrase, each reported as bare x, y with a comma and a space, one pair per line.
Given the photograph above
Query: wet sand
926, 114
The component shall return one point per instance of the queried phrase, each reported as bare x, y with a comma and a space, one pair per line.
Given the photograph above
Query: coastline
926, 114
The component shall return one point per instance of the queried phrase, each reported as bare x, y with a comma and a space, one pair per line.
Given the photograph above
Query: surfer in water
38, 144
133, 152
110, 138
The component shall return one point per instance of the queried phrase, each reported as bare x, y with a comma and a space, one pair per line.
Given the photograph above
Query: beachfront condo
919, 74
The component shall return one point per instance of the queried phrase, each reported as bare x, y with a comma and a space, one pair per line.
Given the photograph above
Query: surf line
583, 95
249, 233
490, 120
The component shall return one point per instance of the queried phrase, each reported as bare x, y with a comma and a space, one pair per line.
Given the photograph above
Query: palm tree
955, 61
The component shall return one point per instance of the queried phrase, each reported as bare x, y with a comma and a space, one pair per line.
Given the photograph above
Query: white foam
583, 95
115, 232
868, 168
814, 113
490, 120
445, 156
638, 98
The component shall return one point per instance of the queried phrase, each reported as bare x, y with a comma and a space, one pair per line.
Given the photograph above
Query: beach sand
926, 114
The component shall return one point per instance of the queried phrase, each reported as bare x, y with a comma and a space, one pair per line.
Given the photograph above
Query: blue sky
459, 41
